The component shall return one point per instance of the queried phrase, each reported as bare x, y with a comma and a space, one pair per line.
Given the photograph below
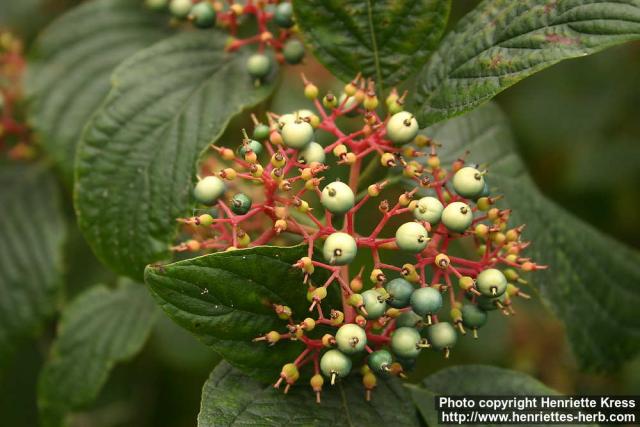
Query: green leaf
226, 300
70, 65
472, 380
137, 159
503, 41
229, 398
593, 281
100, 328
385, 39
33, 234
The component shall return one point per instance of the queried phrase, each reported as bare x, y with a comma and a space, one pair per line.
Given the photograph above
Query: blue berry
283, 15
400, 292
410, 319
426, 301
379, 361
240, 204
473, 317
293, 51
252, 145
203, 14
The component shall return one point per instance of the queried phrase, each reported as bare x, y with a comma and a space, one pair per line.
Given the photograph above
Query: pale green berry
348, 104
412, 237
180, 8
491, 282
400, 292
337, 197
473, 317
351, 338
297, 134
209, 189
258, 65
457, 216
339, 248
374, 303
426, 301
203, 14
293, 51
380, 361
442, 335
252, 145
314, 152
468, 182
428, 209
335, 364
283, 15
402, 128
405, 342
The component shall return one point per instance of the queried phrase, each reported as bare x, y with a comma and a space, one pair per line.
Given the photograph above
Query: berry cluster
270, 16
271, 190
15, 135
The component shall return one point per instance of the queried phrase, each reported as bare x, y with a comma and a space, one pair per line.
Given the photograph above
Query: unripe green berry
412, 237
428, 209
491, 282
473, 317
442, 335
339, 248
380, 361
209, 189
400, 292
337, 197
258, 65
293, 51
335, 364
426, 301
402, 128
348, 104
261, 132
240, 204
283, 15
410, 319
405, 342
351, 338
203, 14
314, 152
252, 145
297, 134
180, 8
374, 303
457, 216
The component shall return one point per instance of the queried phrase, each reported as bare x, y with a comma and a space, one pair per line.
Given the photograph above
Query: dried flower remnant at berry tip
271, 191
15, 134
275, 28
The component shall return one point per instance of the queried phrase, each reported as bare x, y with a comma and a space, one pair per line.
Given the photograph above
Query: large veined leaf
229, 398
593, 281
385, 39
70, 65
99, 328
137, 159
226, 300
503, 41
473, 380
32, 237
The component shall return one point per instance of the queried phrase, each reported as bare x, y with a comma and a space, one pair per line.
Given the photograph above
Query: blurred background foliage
577, 125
